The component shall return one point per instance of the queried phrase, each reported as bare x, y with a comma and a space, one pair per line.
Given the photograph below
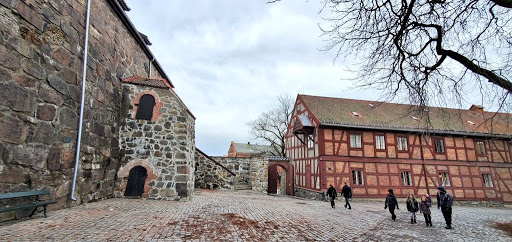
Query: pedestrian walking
412, 207
331, 192
391, 203
425, 210
445, 202
346, 192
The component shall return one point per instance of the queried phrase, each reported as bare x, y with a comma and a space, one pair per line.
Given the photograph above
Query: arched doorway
280, 177
136, 180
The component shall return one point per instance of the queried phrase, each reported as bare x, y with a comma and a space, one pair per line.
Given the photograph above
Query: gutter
118, 9
82, 102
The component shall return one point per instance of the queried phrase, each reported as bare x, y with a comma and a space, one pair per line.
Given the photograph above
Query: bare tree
271, 126
433, 50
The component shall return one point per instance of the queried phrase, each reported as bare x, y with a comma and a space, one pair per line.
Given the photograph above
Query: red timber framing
332, 160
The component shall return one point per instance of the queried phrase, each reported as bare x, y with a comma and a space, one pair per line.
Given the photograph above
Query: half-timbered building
375, 146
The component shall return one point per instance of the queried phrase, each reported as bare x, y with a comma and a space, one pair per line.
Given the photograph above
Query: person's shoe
345, 206
415, 221
448, 227
412, 221
349, 207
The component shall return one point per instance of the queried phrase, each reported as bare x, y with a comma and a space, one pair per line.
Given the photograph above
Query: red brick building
376, 146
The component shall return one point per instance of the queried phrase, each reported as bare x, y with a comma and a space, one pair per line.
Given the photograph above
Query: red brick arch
124, 172
135, 101
288, 168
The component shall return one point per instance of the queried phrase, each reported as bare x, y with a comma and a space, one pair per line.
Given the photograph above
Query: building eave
119, 10
415, 130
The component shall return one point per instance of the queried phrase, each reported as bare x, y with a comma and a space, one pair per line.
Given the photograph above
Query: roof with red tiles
404, 117
145, 81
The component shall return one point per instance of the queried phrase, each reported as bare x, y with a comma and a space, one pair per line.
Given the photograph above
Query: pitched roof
145, 81
248, 148
401, 117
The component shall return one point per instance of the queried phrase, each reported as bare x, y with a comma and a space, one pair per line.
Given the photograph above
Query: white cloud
229, 60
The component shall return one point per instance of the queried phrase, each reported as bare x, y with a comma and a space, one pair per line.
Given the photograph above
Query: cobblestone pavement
248, 215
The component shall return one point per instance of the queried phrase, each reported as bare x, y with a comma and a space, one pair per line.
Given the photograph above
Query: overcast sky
230, 59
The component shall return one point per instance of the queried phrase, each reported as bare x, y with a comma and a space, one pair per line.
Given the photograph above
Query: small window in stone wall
145, 107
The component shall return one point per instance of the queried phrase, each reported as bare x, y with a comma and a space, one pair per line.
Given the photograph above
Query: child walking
425, 210
412, 207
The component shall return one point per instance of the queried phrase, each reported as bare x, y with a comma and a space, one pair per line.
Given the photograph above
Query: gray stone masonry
167, 144
251, 171
41, 46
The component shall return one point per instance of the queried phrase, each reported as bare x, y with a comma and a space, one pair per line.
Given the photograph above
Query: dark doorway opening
136, 180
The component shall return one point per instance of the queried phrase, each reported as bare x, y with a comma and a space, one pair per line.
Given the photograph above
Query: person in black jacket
347, 193
331, 192
412, 207
391, 203
445, 202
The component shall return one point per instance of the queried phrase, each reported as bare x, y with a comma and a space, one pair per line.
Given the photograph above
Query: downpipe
82, 102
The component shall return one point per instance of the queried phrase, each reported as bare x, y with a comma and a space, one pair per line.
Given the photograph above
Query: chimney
475, 107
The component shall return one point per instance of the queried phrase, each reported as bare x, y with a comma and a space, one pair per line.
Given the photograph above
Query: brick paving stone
249, 216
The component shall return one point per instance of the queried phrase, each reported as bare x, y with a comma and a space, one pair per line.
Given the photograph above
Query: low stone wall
210, 175
249, 171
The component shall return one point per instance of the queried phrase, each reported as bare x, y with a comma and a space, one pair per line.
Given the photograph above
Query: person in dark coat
347, 193
412, 207
331, 192
445, 202
391, 203
425, 210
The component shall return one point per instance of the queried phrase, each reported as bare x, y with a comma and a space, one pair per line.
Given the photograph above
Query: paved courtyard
248, 215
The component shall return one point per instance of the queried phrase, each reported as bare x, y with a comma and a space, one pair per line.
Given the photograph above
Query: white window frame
480, 147
444, 178
355, 141
357, 177
380, 142
401, 143
438, 145
406, 178
486, 177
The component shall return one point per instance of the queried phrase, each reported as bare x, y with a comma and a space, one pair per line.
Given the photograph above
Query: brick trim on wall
135, 101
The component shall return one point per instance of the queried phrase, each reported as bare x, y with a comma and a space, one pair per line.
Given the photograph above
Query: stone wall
165, 144
210, 175
41, 46
251, 171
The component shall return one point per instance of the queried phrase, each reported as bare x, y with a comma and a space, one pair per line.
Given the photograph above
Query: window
406, 178
510, 148
145, 107
355, 141
438, 145
357, 177
445, 179
480, 147
487, 180
380, 143
311, 141
401, 143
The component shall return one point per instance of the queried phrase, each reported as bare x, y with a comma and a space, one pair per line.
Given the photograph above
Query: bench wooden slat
23, 194
25, 206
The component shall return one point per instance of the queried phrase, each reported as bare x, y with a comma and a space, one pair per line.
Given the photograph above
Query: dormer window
471, 122
371, 105
355, 114
415, 118
145, 107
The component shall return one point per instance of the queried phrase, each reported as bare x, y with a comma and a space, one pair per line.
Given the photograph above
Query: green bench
34, 204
